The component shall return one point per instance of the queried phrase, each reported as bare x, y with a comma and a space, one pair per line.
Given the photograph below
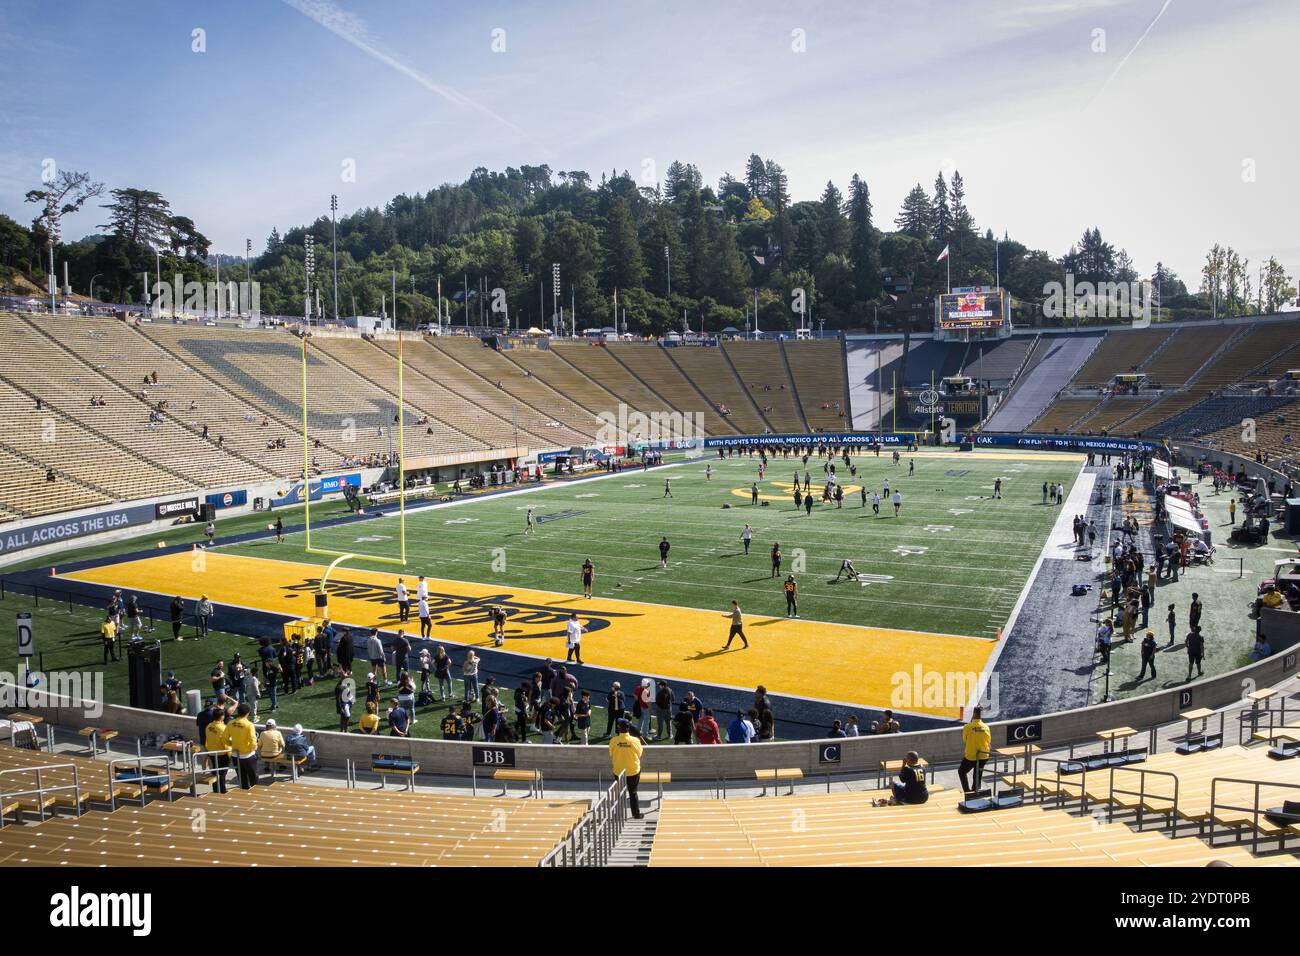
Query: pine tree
942, 213
831, 223
864, 241
624, 268
917, 215
963, 224
756, 176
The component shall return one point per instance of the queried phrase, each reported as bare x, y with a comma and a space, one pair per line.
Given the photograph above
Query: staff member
977, 741
625, 755
241, 740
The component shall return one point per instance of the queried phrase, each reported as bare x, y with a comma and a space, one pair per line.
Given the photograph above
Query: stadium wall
861, 755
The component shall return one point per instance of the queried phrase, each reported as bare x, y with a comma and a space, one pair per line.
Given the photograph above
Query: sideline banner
1100, 443
64, 529
815, 438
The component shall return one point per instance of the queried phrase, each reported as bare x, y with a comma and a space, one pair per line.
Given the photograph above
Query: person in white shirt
746, 536
426, 623
573, 639
403, 602
898, 502
422, 589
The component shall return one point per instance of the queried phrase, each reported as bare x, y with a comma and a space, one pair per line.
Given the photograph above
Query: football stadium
548, 520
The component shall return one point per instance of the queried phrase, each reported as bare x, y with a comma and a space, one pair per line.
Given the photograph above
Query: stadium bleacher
712, 373
761, 367
818, 370
1053, 360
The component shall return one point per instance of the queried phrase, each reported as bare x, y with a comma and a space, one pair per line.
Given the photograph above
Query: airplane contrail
352, 29
1132, 50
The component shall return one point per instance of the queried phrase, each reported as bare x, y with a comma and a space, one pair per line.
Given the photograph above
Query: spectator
271, 744
369, 722
108, 634
837, 730
1261, 650
442, 671
851, 726
1195, 645
1148, 650
297, 745
469, 674
886, 724
706, 729
625, 755
663, 709
178, 615
977, 742
203, 612
345, 653
740, 730
911, 787
613, 707
252, 690
582, 715
398, 725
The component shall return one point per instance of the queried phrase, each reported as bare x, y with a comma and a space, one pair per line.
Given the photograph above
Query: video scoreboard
975, 308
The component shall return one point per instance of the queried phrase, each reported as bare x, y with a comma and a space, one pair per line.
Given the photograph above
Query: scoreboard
980, 307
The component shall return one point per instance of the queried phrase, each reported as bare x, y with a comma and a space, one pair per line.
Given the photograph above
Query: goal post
342, 556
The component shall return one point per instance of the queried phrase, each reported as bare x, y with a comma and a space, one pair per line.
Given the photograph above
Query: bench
95, 735
1102, 761
775, 775
385, 764
887, 768
1026, 749
657, 777
982, 801
531, 777
286, 760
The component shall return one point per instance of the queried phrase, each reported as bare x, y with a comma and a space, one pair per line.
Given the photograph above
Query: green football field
954, 561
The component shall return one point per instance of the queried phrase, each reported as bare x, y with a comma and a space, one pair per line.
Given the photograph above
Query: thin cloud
352, 29
1133, 49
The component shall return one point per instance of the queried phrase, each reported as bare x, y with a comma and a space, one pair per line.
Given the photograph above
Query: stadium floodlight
668, 256
334, 240
248, 264
555, 297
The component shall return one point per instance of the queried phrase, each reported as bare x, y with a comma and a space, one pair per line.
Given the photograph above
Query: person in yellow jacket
214, 738
977, 742
108, 632
241, 738
625, 754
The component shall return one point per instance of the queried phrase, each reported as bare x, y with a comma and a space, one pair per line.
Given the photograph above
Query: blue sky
1018, 95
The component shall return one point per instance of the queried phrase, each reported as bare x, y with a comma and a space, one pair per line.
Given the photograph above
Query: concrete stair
633, 847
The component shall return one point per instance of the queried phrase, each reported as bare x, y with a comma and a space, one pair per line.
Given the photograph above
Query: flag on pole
943, 255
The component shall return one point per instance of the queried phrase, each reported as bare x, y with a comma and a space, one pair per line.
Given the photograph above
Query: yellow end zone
812, 659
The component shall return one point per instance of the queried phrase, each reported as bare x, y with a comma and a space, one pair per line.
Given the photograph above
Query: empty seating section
346, 413
584, 391
1195, 776
301, 825
761, 367
998, 361
1111, 414
499, 371
126, 356
817, 368
1060, 416
1277, 434
652, 365
52, 439
930, 361
1215, 413
1120, 352
846, 830
447, 416
709, 369
536, 429
1185, 353
1053, 361
596, 362
871, 368
1257, 347
42, 368
27, 493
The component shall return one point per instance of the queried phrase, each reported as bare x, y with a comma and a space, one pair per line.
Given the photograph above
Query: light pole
333, 229
668, 256
157, 255
555, 297
308, 268
92, 283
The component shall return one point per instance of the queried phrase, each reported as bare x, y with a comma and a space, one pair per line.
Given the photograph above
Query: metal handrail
39, 792
592, 840
1061, 783
139, 764
1141, 793
1254, 809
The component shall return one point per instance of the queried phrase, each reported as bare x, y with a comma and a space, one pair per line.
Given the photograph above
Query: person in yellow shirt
271, 742
370, 719
977, 742
214, 738
108, 631
241, 738
625, 754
